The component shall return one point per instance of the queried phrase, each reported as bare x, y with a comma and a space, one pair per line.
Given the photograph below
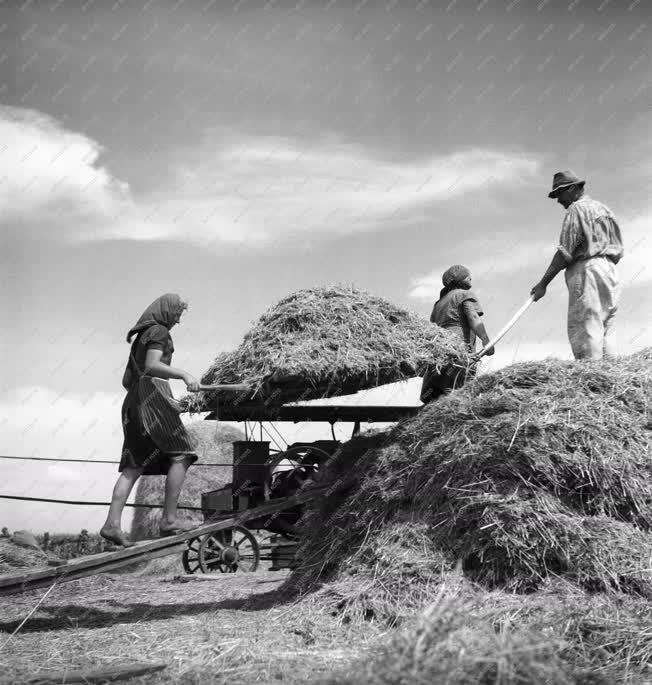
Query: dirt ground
229, 629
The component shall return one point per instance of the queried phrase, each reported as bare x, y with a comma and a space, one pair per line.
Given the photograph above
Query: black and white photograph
327, 342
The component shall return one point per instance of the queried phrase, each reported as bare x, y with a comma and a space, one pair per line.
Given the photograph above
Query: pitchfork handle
232, 387
506, 327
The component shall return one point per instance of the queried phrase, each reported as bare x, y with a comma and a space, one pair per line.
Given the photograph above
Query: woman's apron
154, 435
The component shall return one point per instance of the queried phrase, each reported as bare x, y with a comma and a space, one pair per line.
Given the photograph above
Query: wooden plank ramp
145, 550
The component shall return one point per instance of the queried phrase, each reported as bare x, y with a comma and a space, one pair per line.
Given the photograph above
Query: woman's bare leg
112, 527
173, 483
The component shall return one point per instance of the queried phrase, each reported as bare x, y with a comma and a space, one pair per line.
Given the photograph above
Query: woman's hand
192, 384
485, 342
538, 291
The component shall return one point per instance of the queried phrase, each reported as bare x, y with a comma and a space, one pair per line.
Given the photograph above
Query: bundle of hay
325, 342
212, 443
540, 469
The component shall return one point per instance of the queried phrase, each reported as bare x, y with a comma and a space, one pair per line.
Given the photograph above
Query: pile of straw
559, 636
14, 557
325, 342
539, 469
212, 443
533, 487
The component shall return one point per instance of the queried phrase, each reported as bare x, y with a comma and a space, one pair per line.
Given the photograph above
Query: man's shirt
590, 230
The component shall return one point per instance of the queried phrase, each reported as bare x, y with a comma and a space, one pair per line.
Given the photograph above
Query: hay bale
536, 470
324, 342
213, 445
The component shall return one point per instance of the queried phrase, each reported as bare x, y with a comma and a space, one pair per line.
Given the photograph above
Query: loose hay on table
328, 341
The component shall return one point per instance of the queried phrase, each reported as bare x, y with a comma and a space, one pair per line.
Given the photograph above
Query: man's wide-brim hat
563, 179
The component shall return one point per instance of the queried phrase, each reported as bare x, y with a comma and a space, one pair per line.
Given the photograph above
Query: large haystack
541, 469
325, 342
505, 530
213, 445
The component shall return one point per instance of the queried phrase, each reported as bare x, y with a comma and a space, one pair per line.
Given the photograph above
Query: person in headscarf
155, 440
459, 311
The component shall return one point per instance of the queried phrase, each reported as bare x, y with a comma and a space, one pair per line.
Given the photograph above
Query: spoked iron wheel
190, 556
229, 551
295, 461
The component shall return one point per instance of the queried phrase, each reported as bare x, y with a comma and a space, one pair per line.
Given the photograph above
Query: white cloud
50, 174
40, 422
486, 262
254, 189
265, 189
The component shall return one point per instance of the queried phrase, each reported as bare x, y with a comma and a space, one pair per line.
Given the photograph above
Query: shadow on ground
77, 616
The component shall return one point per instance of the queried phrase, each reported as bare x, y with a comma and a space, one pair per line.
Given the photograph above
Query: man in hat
589, 248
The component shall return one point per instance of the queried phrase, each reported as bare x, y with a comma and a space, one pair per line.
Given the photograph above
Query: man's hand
557, 264
538, 291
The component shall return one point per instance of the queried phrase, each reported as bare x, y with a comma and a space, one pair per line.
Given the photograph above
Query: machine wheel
294, 459
190, 556
229, 551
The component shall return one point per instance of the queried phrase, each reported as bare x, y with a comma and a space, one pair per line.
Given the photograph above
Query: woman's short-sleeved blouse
155, 337
449, 312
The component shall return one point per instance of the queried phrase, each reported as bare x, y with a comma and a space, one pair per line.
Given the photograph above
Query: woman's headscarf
164, 311
454, 278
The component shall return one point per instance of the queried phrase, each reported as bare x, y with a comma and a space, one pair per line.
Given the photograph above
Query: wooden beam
105, 675
326, 412
40, 580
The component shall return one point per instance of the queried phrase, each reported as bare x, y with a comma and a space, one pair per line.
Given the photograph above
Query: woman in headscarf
155, 440
458, 310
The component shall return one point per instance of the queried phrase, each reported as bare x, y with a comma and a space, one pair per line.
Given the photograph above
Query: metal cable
91, 504
103, 461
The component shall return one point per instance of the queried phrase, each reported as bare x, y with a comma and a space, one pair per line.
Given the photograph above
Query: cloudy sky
236, 152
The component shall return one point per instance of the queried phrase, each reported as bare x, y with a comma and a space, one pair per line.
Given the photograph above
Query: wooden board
110, 674
248, 411
39, 580
82, 567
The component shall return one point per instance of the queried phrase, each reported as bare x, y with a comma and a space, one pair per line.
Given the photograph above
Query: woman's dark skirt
154, 436
435, 384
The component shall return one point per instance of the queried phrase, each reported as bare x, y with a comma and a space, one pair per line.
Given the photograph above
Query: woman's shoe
116, 536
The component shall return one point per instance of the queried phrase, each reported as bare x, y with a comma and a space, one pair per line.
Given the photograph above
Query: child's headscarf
453, 278
164, 311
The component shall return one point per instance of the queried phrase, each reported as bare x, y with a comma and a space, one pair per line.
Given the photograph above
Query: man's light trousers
593, 296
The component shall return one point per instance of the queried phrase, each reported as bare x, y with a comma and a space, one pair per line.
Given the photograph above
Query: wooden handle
227, 387
506, 327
